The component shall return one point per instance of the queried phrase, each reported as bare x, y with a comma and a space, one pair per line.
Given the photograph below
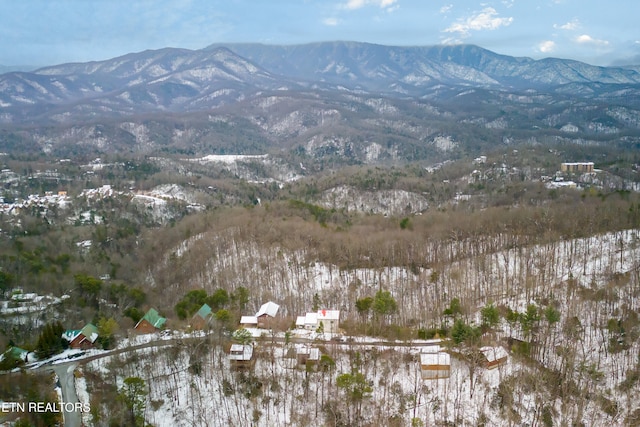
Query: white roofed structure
495, 356
241, 356
248, 321
312, 321
269, 309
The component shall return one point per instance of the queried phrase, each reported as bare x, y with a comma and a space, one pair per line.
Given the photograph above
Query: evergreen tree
133, 394
490, 316
50, 341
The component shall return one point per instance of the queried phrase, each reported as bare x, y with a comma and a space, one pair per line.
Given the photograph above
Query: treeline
351, 240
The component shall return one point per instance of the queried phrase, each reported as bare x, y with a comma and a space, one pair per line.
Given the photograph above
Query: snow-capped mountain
163, 80
375, 66
181, 80
364, 102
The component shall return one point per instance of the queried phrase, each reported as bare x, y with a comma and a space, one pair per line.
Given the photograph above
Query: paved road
69, 395
66, 377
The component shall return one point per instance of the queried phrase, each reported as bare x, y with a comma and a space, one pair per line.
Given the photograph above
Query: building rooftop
153, 317
494, 353
269, 308
241, 352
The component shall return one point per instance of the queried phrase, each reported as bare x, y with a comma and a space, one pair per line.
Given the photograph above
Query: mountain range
315, 83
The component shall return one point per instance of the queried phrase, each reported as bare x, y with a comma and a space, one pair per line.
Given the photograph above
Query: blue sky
46, 32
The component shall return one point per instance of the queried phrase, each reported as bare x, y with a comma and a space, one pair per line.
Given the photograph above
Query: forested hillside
498, 251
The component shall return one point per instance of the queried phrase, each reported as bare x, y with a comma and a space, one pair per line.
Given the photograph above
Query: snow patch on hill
386, 202
444, 143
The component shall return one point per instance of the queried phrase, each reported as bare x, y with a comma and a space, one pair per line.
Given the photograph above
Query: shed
249, 321
18, 354
307, 355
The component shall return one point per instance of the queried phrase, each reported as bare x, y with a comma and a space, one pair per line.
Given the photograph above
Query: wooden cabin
151, 322
267, 311
202, 317
84, 338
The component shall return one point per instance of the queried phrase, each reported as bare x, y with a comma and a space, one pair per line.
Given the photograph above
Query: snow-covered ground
590, 281
275, 394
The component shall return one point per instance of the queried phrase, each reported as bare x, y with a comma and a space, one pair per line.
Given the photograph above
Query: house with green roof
13, 357
151, 322
84, 339
202, 317
18, 353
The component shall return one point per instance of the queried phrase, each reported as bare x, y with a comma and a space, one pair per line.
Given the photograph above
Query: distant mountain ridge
343, 101
453, 64
182, 80
150, 81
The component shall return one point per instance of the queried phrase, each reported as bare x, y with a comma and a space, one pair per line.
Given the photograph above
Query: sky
48, 32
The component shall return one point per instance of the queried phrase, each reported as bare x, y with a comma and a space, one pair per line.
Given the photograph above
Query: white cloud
547, 46
587, 39
389, 5
355, 4
446, 9
574, 24
330, 22
487, 19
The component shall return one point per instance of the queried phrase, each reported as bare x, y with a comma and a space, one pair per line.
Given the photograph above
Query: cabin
14, 356
84, 338
435, 365
241, 356
267, 311
494, 356
202, 318
151, 322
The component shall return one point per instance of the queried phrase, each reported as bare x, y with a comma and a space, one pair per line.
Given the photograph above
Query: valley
376, 208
